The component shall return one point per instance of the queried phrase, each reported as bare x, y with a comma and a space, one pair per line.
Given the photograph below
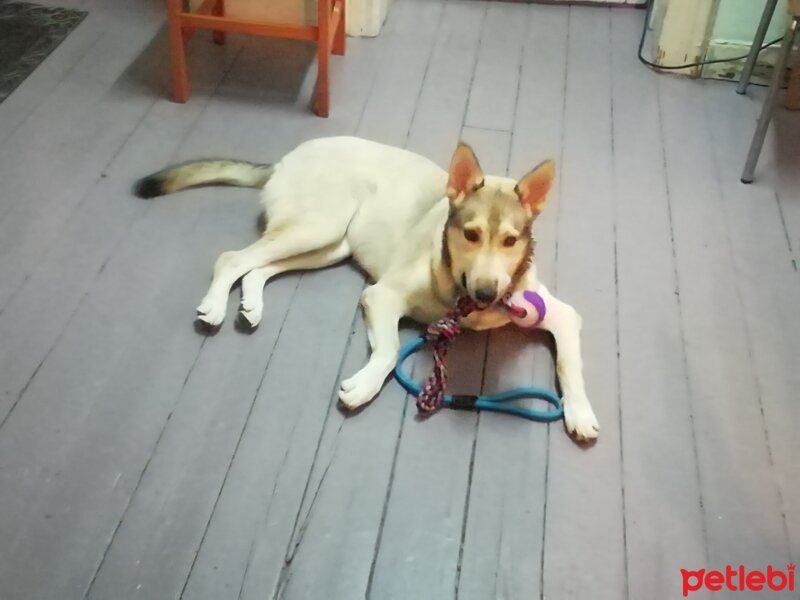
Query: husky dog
424, 235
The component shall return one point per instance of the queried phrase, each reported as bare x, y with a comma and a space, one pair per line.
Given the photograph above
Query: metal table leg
758, 41
769, 103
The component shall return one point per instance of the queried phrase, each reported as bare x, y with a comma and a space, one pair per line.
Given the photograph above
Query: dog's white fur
386, 208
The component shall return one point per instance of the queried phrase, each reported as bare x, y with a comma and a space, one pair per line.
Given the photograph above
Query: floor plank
75, 253
654, 391
445, 93
504, 529
584, 487
411, 32
740, 501
334, 542
84, 447
493, 94
491, 146
756, 238
86, 121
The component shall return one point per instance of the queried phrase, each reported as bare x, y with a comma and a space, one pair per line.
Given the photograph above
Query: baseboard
365, 17
612, 3
732, 71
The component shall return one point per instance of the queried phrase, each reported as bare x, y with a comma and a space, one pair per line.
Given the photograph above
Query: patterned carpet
28, 33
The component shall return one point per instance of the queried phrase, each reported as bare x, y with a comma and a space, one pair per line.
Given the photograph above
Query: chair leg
177, 52
769, 103
340, 37
219, 11
755, 49
322, 92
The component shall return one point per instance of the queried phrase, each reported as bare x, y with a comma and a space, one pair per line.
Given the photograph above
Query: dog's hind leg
278, 243
253, 283
383, 309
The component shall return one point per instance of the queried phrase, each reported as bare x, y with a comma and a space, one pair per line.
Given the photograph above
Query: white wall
732, 35
693, 30
737, 20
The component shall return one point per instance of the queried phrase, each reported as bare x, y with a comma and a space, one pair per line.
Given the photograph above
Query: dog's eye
509, 241
472, 235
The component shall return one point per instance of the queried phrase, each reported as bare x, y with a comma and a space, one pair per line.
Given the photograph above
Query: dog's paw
580, 420
211, 311
360, 388
251, 312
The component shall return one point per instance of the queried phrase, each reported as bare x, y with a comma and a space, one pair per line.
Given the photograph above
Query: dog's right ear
466, 176
532, 188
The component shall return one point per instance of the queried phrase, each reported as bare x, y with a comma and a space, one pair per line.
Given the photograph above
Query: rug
28, 33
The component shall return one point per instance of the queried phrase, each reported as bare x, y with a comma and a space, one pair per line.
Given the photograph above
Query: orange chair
328, 34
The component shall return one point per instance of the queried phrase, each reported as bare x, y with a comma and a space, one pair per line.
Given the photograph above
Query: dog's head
487, 239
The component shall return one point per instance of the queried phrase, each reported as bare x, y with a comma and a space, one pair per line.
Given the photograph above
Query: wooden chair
328, 34
777, 79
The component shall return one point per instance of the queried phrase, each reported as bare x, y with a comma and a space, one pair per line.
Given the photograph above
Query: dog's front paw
360, 388
211, 311
579, 419
251, 311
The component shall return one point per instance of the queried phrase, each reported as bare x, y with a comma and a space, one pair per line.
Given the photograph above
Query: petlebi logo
739, 579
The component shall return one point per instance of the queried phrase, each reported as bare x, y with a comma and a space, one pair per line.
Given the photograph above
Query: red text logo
739, 580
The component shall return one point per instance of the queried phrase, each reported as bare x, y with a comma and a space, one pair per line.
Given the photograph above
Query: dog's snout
486, 294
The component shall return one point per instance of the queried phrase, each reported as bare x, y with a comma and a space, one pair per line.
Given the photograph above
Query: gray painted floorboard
504, 531
654, 391
584, 487
743, 516
141, 459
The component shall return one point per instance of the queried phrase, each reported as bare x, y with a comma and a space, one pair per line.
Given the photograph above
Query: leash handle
491, 402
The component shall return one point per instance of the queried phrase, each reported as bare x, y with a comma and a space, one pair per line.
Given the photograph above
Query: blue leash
492, 402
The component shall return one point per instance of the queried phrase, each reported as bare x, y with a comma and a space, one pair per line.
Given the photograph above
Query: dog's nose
485, 294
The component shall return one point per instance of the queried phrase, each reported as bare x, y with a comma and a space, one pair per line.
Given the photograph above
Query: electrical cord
653, 65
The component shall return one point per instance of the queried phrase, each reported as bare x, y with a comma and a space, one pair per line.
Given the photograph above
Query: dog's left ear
532, 188
466, 175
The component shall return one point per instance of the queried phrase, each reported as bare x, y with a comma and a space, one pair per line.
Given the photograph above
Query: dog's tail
203, 172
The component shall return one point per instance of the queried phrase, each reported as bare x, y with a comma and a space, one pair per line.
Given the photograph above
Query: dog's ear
465, 174
532, 188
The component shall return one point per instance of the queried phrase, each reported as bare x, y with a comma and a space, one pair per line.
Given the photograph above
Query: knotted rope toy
440, 334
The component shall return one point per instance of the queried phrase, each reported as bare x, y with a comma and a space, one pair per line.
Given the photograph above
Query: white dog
425, 236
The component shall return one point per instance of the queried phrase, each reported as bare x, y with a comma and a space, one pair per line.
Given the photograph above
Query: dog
424, 236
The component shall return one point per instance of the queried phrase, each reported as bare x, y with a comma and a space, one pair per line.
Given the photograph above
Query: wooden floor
142, 459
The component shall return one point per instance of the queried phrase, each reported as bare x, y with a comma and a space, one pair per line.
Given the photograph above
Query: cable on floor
701, 63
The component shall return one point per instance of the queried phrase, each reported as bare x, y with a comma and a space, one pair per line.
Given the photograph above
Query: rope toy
440, 334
